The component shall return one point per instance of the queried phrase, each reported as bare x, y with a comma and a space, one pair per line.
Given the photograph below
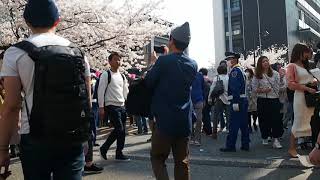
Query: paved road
206, 162
141, 170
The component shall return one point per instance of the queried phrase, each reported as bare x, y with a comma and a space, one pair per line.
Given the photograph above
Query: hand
267, 90
311, 90
101, 114
154, 57
4, 164
236, 107
315, 157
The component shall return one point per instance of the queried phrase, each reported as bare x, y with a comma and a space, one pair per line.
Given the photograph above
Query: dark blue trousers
239, 120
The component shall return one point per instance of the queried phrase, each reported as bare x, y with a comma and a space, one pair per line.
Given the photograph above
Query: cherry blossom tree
99, 27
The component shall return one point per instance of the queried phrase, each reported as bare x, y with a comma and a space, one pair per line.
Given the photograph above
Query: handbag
312, 100
218, 89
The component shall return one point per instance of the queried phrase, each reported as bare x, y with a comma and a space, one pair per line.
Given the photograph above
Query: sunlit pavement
207, 163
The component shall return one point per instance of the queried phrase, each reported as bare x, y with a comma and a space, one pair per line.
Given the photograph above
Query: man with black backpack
54, 78
112, 93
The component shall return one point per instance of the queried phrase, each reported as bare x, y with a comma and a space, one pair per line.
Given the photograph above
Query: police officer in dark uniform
239, 105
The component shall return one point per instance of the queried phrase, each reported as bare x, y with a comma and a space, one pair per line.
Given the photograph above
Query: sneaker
103, 153
269, 139
265, 142
122, 157
227, 150
197, 143
276, 144
245, 149
93, 169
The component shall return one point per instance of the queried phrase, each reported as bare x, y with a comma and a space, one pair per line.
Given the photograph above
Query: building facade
265, 23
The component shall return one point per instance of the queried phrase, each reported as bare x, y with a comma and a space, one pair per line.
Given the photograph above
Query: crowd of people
49, 94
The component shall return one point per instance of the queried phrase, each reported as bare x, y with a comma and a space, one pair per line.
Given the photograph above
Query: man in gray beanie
170, 79
54, 127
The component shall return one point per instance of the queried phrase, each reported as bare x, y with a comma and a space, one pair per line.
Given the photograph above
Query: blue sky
200, 17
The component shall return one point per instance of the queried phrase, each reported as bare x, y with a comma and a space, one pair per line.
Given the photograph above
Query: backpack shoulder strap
29, 48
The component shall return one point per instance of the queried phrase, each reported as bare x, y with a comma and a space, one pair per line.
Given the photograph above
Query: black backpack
139, 99
60, 113
218, 89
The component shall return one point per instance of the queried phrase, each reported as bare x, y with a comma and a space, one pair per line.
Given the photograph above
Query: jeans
218, 109
161, 146
289, 116
89, 155
197, 130
95, 123
40, 161
142, 124
118, 118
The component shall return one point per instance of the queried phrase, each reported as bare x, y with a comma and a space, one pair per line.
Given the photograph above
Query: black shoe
149, 140
93, 169
122, 157
103, 153
245, 149
96, 145
227, 150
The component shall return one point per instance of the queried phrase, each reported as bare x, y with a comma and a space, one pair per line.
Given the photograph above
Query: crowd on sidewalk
51, 96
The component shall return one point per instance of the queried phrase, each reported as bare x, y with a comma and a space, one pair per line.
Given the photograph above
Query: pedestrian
112, 93
315, 154
298, 76
238, 105
170, 79
252, 99
56, 100
206, 117
197, 96
266, 84
220, 104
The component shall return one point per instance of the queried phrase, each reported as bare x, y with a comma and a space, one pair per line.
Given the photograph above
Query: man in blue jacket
239, 105
170, 79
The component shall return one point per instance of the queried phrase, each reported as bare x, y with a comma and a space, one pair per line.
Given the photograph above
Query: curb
233, 162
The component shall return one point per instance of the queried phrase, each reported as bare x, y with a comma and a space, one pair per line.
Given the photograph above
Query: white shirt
114, 93
17, 63
224, 96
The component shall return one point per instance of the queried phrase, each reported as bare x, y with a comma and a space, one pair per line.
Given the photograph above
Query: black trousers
270, 120
206, 119
118, 117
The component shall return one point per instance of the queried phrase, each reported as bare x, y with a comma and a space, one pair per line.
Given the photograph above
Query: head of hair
222, 69
204, 71
297, 54
251, 73
223, 62
113, 54
259, 68
181, 46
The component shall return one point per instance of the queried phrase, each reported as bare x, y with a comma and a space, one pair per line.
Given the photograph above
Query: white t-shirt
115, 93
17, 63
223, 97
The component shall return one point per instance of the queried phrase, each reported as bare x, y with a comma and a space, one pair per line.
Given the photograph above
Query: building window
236, 28
235, 4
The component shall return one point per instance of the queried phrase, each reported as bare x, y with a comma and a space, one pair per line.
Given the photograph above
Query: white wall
219, 31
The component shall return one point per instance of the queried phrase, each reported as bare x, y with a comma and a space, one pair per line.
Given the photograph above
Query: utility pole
230, 26
259, 28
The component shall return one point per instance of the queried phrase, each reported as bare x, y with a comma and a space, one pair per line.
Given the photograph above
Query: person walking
206, 117
197, 96
298, 76
56, 102
252, 99
112, 93
171, 79
266, 84
238, 105
220, 105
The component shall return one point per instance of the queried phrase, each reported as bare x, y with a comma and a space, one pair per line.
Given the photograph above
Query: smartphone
159, 49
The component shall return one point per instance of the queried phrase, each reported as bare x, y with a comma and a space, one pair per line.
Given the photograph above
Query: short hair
179, 45
222, 69
223, 62
112, 55
204, 71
